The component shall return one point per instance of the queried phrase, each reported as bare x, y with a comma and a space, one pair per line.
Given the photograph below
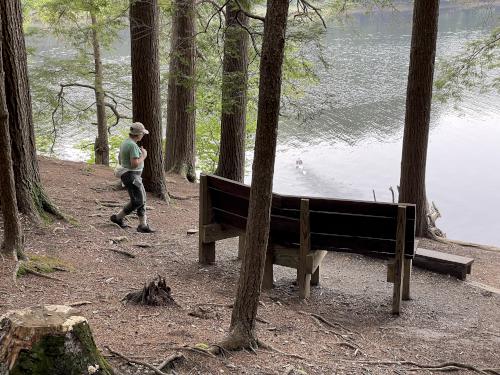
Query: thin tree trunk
234, 96
31, 198
418, 109
184, 149
171, 134
242, 329
101, 147
13, 236
146, 102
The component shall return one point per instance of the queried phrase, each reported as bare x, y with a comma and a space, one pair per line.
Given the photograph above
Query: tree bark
171, 134
48, 340
234, 96
12, 246
146, 101
101, 146
31, 198
418, 109
242, 329
184, 143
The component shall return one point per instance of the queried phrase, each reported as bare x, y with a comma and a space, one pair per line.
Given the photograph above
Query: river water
349, 137
351, 145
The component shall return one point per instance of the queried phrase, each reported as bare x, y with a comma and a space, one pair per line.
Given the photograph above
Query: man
131, 159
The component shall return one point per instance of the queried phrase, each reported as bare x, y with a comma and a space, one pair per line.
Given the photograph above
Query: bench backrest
335, 224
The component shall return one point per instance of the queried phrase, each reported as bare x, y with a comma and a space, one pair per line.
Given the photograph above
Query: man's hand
144, 153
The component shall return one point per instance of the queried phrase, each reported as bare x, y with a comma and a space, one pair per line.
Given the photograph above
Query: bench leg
397, 293
315, 277
206, 252
268, 280
304, 283
241, 246
407, 279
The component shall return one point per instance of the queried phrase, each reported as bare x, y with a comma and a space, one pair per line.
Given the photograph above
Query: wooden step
449, 264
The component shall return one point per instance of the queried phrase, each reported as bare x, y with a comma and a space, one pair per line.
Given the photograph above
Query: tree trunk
12, 246
146, 102
101, 147
242, 329
418, 109
31, 198
48, 340
184, 144
234, 96
171, 134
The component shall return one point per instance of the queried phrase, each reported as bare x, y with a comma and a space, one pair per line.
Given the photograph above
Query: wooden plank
268, 279
315, 277
217, 232
314, 261
407, 279
206, 250
304, 279
398, 261
444, 257
448, 264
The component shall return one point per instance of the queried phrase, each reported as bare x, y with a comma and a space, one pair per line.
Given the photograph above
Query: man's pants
135, 188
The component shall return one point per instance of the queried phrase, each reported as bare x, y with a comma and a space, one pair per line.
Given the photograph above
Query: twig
79, 303
261, 320
144, 364
122, 252
179, 198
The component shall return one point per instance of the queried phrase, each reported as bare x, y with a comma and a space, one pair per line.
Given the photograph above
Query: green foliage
115, 141
476, 67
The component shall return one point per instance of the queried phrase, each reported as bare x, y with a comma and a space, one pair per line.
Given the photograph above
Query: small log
49, 339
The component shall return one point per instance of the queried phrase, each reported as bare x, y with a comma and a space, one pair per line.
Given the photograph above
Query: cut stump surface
49, 339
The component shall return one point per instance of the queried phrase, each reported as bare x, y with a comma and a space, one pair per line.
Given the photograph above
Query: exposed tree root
144, 364
447, 366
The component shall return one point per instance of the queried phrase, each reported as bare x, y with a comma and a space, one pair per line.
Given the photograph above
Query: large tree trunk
242, 330
146, 103
101, 147
31, 198
418, 109
234, 96
184, 143
48, 340
171, 134
12, 246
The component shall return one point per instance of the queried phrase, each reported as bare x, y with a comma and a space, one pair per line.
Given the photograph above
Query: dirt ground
447, 320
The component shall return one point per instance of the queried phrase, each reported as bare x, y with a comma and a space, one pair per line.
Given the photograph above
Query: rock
117, 240
49, 339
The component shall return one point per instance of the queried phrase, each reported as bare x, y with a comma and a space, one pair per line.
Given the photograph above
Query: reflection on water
351, 142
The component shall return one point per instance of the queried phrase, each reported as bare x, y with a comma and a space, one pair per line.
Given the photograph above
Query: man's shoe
145, 229
118, 222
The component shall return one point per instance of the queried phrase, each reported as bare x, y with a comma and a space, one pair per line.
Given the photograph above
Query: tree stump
48, 339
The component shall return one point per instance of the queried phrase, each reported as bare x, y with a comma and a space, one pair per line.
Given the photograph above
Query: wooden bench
448, 264
303, 229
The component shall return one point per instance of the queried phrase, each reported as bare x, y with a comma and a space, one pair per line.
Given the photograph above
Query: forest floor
447, 320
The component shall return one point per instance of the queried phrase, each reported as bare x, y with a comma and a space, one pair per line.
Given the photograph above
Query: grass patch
42, 264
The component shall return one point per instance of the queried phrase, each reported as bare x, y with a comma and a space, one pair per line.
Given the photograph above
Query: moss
42, 264
69, 354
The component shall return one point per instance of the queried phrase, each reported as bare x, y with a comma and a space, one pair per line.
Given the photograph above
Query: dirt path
447, 320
